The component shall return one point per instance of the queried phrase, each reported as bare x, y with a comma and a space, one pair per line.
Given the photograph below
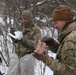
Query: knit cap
62, 13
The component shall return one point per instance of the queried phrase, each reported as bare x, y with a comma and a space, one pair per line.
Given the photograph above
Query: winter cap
27, 14
61, 13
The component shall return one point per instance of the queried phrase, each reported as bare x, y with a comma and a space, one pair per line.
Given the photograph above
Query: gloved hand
48, 40
42, 57
52, 43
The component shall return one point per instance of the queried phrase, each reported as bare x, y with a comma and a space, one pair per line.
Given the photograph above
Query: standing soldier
26, 45
65, 62
31, 35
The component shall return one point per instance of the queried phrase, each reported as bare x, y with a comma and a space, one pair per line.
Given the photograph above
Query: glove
42, 57
52, 43
48, 40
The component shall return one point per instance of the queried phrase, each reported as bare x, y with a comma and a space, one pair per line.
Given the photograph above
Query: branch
4, 58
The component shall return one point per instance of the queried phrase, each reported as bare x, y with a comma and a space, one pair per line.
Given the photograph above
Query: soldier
26, 45
65, 62
31, 34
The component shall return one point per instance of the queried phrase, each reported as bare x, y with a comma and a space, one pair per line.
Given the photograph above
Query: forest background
10, 16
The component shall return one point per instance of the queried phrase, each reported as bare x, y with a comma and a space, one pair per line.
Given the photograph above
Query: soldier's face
59, 25
25, 21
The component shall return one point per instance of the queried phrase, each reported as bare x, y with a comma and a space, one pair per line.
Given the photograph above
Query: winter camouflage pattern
32, 35
65, 62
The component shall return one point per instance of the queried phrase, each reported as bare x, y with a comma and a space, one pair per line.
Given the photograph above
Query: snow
1, 21
38, 3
